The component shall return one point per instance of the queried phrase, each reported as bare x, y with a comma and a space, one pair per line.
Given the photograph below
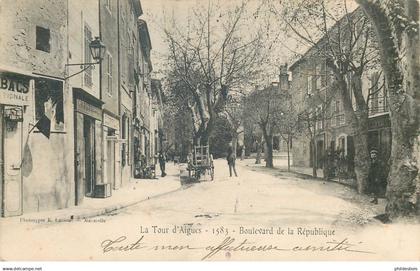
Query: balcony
378, 105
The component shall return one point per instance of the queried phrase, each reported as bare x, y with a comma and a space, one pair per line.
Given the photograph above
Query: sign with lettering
379, 122
111, 122
116, 139
88, 109
14, 89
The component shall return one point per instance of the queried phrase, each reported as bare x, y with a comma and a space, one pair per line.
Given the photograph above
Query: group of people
376, 176
336, 164
145, 171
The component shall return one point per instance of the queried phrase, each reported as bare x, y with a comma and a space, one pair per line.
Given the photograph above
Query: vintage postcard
209, 130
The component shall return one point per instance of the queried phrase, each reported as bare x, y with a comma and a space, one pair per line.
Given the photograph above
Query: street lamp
97, 50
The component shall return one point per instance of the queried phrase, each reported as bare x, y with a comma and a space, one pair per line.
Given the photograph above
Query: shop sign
13, 113
111, 122
116, 139
88, 109
14, 89
379, 122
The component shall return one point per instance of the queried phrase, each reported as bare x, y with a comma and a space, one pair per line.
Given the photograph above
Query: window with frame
338, 106
333, 121
87, 55
319, 118
318, 78
49, 102
374, 93
342, 145
309, 85
109, 74
43, 37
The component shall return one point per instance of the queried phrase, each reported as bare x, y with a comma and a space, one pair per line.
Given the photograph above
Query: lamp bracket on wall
97, 50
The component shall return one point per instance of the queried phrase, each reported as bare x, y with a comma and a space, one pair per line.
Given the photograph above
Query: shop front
14, 99
111, 128
88, 147
379, 135
35, 154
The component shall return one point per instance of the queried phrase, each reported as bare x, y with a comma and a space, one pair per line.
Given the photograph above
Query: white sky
158, 13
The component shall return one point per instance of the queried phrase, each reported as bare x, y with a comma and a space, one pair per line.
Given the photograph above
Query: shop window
43, 39
49, 102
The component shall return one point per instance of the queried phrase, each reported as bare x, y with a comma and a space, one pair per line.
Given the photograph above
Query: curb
322, 179
112, 208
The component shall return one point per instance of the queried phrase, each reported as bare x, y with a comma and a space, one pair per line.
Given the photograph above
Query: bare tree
264, 108
396, 24
233, 112
213, 58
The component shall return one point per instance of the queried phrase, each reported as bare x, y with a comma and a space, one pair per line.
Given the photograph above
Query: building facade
36, 169
108, 15
128, 43
83, 26
316, 98
66, 122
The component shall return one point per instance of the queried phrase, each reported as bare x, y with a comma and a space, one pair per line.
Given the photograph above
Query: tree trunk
314, 166
234, 143
288, 152
361, 156
258, 158
268, 138
269, 150
403, 87
359, 122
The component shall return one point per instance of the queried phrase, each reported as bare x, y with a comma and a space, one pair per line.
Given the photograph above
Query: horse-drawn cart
200, 163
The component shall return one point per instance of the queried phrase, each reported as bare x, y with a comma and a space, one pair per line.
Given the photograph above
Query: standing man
376, 177
162, 161
231, 157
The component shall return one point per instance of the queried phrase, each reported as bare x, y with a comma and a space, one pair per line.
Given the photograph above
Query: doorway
89, 142
320, 154
110, 163
10, 162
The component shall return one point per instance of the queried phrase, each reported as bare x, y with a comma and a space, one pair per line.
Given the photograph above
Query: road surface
286, 216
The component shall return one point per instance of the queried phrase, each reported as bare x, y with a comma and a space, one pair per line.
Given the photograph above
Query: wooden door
79, 159
11, 139
89, 142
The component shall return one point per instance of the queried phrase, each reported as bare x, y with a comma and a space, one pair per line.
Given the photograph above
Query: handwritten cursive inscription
229, 244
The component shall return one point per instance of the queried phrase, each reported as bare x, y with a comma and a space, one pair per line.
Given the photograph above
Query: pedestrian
162, 161
376, 178
231, 157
